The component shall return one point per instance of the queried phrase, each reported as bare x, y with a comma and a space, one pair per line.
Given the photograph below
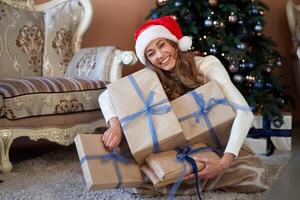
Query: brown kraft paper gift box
163, 168
99, 174
220, 116
127, 102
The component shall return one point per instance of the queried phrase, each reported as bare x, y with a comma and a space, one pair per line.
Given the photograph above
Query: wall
115, 22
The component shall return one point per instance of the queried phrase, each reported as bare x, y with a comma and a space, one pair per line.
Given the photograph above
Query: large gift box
146, 117
164, 168
205, 115
264, 136
103, 169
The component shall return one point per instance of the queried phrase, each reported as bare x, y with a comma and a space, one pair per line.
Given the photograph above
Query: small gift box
146, 117
166, 167
103, 169
205, 115
265, 136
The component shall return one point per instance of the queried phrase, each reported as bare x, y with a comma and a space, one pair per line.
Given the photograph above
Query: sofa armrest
122, 58
99, 63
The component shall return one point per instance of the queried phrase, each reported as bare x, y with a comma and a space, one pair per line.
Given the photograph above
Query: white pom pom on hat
185, 43
163, 27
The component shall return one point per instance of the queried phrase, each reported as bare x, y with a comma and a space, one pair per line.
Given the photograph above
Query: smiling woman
161, 46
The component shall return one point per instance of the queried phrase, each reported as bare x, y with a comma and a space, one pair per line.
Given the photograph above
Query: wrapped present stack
162, 136
265, 137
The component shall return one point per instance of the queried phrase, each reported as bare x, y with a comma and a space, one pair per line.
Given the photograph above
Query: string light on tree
208, 22
233, 68
278, 63
216, 24
240, 22
232, 18
213, 50
249, 65
268, 69
242, 65
269, 85
178, 3
250, 79
238, 78
241, 45
258, 84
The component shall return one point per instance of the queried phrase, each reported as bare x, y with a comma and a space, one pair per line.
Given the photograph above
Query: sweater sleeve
106, 106
213, 69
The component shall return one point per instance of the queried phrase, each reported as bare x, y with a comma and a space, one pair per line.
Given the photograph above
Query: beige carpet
57, 175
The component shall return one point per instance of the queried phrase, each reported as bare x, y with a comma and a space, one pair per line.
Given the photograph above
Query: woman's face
161, 54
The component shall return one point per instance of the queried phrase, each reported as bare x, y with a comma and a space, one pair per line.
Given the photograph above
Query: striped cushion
36, 96
16, 87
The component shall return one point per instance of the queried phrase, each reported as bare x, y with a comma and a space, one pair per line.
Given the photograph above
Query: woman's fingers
201, 159
113, 143
104, 137
110, 137
203, 173
189, 176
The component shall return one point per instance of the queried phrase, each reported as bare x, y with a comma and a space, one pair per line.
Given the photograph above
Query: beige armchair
49, 87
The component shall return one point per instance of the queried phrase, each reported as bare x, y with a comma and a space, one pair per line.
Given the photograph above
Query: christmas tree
232, 30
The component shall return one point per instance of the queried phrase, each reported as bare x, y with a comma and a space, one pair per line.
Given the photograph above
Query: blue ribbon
267, 132
114, 156
205, 108
181, 156
149, 109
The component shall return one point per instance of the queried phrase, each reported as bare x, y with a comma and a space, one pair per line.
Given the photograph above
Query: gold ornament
213, 3
160, 3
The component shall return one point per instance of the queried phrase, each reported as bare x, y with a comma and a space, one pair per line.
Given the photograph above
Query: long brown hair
185, 76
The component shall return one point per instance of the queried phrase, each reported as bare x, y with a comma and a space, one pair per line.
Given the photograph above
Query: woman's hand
112, 136
213, 167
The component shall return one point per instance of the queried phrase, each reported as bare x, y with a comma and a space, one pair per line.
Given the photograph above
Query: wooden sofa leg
6, 137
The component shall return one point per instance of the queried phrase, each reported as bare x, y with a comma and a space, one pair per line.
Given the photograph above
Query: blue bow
114, 156
149, 108
181, 156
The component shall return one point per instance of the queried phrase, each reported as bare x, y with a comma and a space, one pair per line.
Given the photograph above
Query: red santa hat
163, 27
